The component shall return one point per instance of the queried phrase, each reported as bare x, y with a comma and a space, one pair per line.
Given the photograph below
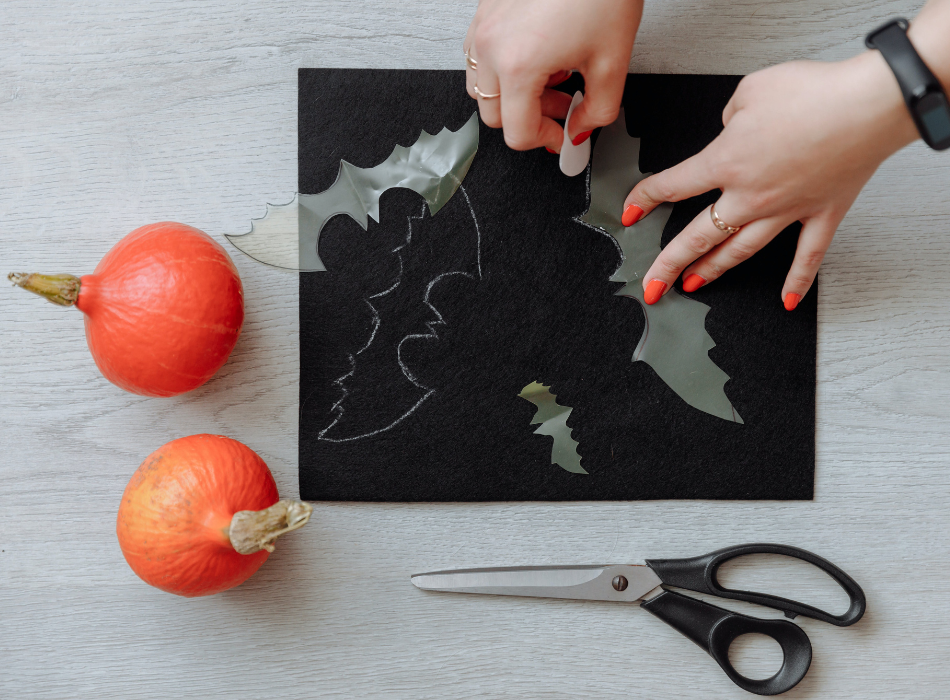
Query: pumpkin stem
254, 530
59, 289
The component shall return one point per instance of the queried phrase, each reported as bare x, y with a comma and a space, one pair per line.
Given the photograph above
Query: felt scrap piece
434, 166
674, 341
551, 419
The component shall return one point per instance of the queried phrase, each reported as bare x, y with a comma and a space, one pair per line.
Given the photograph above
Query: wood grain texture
113, 115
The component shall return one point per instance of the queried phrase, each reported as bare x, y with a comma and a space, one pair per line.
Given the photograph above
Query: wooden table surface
113, 115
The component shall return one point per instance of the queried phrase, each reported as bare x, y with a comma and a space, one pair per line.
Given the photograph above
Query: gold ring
470, 62
720, 224
483, 95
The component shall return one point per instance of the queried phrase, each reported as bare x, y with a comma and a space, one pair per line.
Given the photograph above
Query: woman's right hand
800, 141
525, 47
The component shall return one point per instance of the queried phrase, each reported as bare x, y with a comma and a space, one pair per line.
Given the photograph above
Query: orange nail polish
631, 215
791, 301
693, 282
582, 137
549, 150
654, 291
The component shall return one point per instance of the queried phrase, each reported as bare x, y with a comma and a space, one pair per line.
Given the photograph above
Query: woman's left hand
519, 49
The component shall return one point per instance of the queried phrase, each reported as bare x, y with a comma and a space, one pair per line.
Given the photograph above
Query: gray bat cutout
674, 341
288, 236
551, 419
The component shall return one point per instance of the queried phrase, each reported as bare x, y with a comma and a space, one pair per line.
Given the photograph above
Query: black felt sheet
522, 298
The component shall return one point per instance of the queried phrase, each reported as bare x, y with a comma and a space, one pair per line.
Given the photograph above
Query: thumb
601, 105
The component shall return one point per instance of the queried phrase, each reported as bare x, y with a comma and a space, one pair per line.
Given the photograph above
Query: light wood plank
117, 114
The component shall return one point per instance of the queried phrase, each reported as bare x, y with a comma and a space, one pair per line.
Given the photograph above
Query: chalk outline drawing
337, 407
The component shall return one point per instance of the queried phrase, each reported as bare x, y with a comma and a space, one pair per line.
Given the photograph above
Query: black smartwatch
922, 91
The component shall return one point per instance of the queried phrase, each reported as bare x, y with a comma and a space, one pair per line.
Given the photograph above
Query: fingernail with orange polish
693, 282
791, 301
582, 137
631, 215
549, 150
654, 291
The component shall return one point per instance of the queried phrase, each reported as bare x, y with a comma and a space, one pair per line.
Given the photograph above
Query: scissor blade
574, 582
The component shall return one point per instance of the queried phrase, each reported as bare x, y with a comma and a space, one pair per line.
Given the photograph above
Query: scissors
711, 627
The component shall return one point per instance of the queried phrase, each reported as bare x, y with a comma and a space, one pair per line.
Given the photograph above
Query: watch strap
913, 75
923, 94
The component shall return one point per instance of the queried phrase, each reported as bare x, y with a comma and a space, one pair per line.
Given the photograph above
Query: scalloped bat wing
288, 236
674, 341
551, 419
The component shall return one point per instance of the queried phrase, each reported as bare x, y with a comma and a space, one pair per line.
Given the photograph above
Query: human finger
687, 179
601, 105
739, 97
524, 123
698, 238
739, 247
555, 104
471, 76
558, 78
813, 243
729, 111
486, 83
471, 62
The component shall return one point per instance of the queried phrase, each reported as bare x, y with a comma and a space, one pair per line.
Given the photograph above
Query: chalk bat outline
337, 407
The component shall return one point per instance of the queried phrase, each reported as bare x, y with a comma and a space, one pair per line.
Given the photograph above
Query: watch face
934, 115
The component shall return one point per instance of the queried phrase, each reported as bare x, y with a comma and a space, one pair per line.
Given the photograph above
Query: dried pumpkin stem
254, 530
59, 289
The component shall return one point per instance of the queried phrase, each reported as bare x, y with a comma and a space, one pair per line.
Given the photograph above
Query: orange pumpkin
201, 514
163, 309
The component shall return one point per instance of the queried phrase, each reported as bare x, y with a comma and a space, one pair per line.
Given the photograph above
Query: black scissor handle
699, 574
714, 629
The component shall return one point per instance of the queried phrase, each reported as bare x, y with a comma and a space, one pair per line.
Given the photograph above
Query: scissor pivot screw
619, 583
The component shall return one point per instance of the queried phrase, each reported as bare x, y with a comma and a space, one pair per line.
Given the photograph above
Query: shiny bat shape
551, 419
288, 236
674, 341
